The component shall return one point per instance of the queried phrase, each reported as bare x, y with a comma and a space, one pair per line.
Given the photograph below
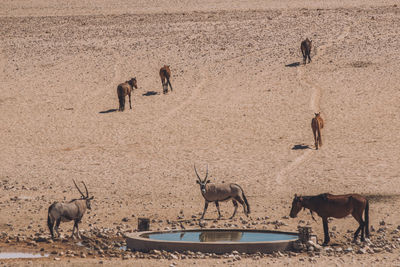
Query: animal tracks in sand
314, 104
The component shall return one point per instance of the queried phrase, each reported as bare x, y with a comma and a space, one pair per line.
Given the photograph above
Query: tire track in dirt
163, 120
314, 103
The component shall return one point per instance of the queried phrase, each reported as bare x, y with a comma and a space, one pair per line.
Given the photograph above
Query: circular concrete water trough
212, 240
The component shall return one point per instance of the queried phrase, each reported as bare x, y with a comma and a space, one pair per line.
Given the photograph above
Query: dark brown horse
306, 50
317, 123
124, 89
165, 75
336, 206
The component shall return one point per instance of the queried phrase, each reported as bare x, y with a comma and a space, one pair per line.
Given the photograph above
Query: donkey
222, 192
306, 50
65, 212
165, 75
124, 89
317, 123
336, 206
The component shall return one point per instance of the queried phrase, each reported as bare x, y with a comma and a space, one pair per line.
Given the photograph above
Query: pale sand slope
234, 106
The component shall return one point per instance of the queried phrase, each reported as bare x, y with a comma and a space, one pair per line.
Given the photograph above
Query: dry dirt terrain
242, 103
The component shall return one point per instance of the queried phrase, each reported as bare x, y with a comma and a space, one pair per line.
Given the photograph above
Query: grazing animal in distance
124, 89
306, 50
222, 192
65, 212
165, 75
317, 123
336, 206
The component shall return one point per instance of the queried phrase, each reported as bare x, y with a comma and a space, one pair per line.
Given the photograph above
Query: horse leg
163, 85
130, 104
120, 102
319, 135
361, 226
326, 231
205, 208
219, 213
315, 139
235, 204
309, 58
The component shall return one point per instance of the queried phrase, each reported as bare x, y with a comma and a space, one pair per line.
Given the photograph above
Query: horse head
296, 206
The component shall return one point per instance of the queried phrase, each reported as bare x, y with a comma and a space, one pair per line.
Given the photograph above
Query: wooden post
143, 224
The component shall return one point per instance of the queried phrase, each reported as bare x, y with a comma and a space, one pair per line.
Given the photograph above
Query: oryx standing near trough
65, 212
222, 192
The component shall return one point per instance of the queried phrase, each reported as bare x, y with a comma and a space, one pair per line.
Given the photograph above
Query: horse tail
367, 219
50, 222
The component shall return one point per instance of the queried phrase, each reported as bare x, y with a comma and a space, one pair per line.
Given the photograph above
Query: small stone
57, 259
348, 250
338, 250
361, 251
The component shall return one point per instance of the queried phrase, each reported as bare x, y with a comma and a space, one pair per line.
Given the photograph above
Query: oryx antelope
221, 192
65, 212
306, 50
165, 75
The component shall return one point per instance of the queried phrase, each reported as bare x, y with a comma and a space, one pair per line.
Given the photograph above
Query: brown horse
317, 123
306, 50
165, 74
336, 206
124, 89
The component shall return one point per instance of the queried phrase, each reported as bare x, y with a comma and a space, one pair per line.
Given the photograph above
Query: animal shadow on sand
301, 146
150, 93
294, 64
108, 111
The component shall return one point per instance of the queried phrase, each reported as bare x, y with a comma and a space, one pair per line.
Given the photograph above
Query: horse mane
322, 196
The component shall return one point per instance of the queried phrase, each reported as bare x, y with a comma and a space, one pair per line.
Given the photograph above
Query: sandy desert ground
241, 104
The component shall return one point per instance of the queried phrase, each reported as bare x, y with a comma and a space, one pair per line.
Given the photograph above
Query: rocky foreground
109, 243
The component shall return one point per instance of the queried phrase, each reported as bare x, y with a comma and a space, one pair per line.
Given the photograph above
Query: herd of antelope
325, 205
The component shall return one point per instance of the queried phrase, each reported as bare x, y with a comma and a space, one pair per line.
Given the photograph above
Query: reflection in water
21, 255
220, 236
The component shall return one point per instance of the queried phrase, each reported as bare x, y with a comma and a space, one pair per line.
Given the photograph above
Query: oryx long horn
198, 177
205, 179
78, 188
87, 192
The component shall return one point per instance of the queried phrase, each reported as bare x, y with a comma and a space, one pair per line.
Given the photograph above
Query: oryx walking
65, 212
222, 192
